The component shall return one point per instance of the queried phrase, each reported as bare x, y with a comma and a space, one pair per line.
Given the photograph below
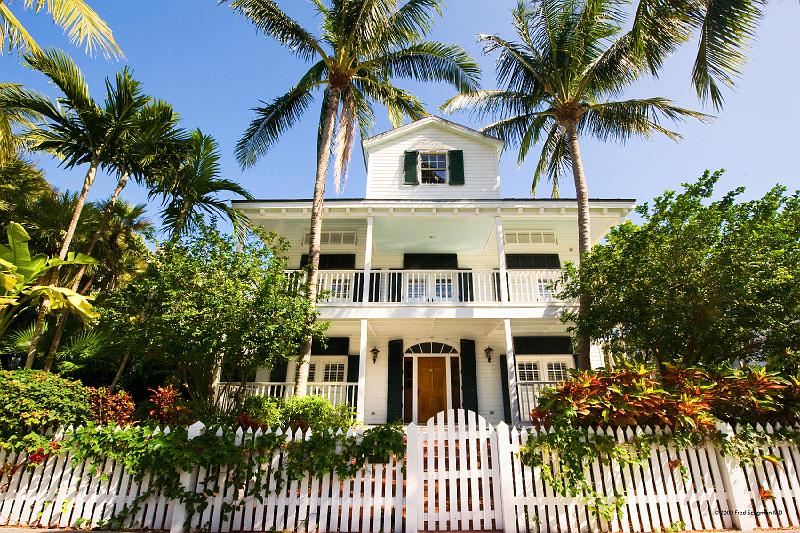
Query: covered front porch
408, 370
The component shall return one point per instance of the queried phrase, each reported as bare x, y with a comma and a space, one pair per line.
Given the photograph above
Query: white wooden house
437, 287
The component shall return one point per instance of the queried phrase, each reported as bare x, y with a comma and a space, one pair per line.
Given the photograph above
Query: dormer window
433, 167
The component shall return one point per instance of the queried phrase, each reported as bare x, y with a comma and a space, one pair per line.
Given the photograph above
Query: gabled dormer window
433, 167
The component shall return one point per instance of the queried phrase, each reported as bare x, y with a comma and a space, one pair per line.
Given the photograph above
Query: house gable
398, 162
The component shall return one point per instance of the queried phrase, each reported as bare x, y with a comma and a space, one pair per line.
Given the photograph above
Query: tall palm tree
723, 30
560, 80
192, 189
82, 25
75, 128
362, 47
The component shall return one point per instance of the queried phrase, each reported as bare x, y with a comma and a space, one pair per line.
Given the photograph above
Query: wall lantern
375, 351
488, 351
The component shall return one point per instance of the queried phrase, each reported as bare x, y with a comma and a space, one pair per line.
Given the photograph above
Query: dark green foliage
201, 305
699, 282
33, 401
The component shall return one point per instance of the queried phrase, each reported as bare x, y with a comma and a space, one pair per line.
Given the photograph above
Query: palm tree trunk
120, 369
180, 222
584, 234
44, 308
76, 282
323, 158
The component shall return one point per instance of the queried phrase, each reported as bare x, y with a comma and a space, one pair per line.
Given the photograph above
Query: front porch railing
528, 393
432, 287
338, 393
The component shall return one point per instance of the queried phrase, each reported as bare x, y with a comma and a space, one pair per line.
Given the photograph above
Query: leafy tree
82, 25
200, 305
189, 189
362, 48
699, 282
562, 80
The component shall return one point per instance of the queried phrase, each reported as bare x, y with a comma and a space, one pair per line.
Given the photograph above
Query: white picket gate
460, 473
456, 473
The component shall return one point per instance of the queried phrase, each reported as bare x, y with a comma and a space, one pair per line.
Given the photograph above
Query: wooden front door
431, 387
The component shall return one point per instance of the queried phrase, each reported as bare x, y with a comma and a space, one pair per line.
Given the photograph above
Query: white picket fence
460, 473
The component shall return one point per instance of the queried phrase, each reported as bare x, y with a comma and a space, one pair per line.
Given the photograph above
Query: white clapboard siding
459, 473
386, 174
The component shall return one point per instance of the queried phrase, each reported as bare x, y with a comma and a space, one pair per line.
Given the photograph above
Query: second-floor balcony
434, 287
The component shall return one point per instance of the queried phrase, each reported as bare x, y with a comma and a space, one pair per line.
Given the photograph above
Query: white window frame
446, 166
342, 364
319, 362
543, 361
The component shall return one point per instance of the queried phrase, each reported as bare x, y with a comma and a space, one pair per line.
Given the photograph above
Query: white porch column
511, 366
501, 256
367, 262
362, 372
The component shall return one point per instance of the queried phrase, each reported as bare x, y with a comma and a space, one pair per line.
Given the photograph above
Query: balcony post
367, 284
362, 373
501, 256
511, 365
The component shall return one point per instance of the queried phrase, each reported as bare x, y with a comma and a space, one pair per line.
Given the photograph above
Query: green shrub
32, 401
316, 413
261, 412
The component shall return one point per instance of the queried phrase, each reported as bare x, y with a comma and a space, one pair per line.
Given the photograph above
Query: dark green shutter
469, 377
394, 396
410, 167
352, 368
504, 387
278, 372
456, 165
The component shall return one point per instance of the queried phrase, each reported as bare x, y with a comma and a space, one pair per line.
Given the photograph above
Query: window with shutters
557, 371
433, 167
333, 372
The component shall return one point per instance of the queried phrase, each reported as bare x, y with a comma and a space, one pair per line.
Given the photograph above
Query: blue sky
213, 67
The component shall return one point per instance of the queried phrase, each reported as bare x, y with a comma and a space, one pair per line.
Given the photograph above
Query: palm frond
66, 75
81, 23
432, 61
412, 19
268, 18
399, 102
554, 160
271, 121
619, 121
345, 137
13, 34
725, 29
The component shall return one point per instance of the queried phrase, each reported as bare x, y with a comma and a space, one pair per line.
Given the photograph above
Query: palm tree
723, 31
192, 189
362, 47
82, 25
561, 80
74, 127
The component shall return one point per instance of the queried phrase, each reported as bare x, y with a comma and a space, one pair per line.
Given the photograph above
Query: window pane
312, 368
333, 372
528, 371
433, 168
556, 371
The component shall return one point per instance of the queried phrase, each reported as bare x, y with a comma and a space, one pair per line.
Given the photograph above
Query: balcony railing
528, 393
337, 393
450, 287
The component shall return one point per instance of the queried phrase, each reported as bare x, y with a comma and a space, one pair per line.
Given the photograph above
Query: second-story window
433, 168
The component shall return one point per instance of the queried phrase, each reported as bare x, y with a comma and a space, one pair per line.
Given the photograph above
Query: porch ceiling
464, 235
